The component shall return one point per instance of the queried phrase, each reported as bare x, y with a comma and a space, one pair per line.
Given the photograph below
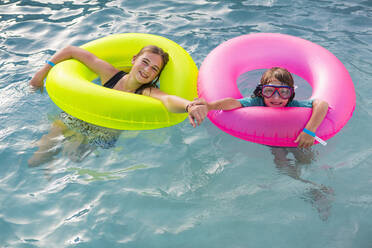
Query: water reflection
320, 196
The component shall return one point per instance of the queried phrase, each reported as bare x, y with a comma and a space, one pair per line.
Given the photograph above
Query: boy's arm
320, 109
224, 104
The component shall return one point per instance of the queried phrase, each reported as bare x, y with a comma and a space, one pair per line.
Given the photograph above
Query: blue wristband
50, 63
316, 137
309, 132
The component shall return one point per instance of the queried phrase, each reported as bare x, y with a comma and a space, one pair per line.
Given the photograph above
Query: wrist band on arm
316, 137
187, 108
50, 63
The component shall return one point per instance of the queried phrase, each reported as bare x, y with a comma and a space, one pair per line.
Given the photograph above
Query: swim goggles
285, 92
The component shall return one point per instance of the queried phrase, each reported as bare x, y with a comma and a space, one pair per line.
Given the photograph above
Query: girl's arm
320, 109
177, 104
104, 69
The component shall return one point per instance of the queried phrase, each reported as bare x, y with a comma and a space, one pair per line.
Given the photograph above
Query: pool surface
180, 186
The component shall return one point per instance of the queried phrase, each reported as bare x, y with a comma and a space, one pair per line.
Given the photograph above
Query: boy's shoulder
301, 103
258, 101
251, 101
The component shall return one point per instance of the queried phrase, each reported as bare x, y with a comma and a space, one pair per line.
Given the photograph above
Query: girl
141, 79
276, 89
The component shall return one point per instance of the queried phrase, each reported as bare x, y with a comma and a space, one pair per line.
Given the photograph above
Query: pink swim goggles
285, 92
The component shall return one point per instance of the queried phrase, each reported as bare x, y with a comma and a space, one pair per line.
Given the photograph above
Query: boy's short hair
277, 74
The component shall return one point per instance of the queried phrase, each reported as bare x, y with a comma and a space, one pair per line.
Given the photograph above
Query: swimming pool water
180, 186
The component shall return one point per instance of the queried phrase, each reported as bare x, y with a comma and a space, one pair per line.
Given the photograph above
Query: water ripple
174, 187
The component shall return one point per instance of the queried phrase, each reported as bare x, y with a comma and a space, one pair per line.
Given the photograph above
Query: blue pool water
179, 186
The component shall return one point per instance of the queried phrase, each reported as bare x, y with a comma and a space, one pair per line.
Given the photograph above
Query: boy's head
278, 96
277, 74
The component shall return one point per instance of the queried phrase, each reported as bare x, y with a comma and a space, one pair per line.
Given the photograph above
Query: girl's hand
198, 101
37, 80
304, 140
197, 112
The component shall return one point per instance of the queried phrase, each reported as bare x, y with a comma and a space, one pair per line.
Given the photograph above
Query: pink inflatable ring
276, 126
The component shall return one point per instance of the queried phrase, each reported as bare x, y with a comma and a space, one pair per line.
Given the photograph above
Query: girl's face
146, 67
275, 100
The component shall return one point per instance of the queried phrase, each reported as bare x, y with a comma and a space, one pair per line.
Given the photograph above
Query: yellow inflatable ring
69, 85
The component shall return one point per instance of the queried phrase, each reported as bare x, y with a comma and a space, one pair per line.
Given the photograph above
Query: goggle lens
284, 92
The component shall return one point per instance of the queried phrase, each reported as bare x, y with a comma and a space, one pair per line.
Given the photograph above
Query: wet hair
155, 50
273, 75
165, 58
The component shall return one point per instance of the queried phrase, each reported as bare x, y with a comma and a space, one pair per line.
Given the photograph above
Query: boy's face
275, 100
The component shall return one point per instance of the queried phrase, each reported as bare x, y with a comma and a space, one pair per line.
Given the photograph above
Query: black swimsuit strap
114, 80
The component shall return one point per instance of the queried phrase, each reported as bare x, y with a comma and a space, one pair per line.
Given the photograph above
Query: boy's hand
304, 140
198, 101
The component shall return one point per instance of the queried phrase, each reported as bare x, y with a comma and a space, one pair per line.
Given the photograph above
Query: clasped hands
198, 110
